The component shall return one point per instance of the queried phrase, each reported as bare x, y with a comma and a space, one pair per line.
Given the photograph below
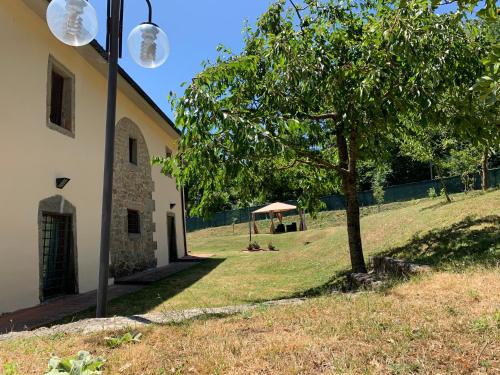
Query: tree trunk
485, 178
353, 225
443, 185
348, 159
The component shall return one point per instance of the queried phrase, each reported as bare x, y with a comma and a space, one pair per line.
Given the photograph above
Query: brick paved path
58, 309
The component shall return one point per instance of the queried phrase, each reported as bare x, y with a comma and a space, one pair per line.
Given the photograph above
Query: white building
53, 111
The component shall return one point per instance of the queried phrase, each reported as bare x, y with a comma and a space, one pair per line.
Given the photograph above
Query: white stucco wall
32, 156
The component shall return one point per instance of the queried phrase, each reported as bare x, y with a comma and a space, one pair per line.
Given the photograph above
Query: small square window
133, 222
60, 99
132, 150
168, 153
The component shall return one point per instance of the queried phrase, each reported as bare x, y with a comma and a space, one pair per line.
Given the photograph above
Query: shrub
271, 247
378, 194
81, 364
253, 246
432, 193
119, 340
10, 369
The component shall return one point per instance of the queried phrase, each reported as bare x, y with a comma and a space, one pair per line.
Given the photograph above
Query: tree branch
322, 116
297, 10
298, 116
314, 159
294, 163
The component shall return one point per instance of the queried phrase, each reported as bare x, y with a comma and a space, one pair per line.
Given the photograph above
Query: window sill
60, 129
134, 236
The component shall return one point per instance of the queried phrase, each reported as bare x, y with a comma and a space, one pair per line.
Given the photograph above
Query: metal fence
396, 193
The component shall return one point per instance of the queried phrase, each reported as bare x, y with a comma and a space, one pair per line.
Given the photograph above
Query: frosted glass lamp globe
148, 45
73, 22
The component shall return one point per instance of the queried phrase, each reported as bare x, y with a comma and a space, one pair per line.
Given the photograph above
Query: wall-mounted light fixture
172, 205
61, 182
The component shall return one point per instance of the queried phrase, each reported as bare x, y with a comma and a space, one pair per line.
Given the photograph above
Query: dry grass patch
441, 323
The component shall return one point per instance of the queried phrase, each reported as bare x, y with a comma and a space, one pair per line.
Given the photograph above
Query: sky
195, 28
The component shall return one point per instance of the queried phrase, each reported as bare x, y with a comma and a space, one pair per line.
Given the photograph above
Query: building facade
53, 110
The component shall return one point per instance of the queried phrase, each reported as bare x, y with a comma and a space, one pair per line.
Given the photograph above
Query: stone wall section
132, 189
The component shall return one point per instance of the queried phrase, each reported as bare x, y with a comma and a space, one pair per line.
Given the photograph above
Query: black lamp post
74, 22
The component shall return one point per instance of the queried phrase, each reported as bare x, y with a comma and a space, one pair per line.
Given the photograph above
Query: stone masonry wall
132, 189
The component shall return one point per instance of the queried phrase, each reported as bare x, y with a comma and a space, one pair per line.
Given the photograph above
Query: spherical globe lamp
73, 22
148, 45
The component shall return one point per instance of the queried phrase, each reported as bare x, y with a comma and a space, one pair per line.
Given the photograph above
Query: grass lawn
310, 261
447, 321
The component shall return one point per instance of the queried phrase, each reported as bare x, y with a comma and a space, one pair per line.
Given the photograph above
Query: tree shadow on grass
153, 295
157, 293
472, 241
339, 282
434, 206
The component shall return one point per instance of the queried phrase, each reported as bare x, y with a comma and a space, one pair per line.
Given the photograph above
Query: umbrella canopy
275, 207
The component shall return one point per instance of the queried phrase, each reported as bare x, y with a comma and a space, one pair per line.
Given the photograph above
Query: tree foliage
319, 87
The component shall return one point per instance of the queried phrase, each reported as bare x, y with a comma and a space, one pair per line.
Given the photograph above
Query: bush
271, 247
379, 179
432, 193
253, 246
10, 369
127, 338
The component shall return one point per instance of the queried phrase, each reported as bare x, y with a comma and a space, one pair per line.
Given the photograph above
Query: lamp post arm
108, 20
150, 17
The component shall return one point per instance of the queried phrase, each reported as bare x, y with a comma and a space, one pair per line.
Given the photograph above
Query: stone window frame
55, 65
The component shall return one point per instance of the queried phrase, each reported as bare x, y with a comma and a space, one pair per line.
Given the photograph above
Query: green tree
488, 84
429, 144
379, 180
320, 85
465, 161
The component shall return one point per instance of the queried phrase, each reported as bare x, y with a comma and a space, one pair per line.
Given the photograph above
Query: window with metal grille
58, 262
134, 222
132, 150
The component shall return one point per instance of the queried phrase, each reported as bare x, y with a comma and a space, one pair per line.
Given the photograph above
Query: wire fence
396, 193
